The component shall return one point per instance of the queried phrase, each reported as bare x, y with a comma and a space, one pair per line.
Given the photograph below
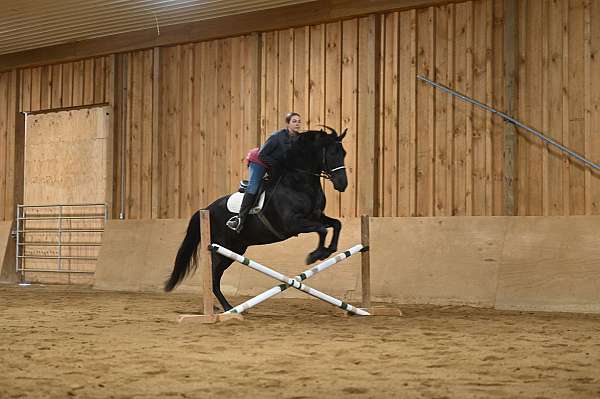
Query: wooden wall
559, 93
208, 120
191, 116
70, 84
8, 108
327, 74
190, 112
440, 156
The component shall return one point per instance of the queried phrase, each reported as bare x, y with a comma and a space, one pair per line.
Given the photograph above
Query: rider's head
293, 122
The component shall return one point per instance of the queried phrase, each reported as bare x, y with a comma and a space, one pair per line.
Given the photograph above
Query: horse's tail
186, 258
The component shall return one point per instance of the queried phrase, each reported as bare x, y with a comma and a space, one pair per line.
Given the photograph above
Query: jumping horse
294, 203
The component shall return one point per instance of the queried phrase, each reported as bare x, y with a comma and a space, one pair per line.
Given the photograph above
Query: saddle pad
234, 203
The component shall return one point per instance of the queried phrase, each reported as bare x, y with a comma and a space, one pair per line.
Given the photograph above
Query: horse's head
333, 158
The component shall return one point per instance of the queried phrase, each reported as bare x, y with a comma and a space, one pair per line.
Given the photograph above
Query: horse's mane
306, 147
313, 139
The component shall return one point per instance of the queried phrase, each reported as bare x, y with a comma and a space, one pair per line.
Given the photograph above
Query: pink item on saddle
252, 156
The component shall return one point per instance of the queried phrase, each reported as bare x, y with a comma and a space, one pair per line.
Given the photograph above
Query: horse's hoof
312, 258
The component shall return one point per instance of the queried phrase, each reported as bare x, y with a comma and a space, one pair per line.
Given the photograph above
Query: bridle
329, 172
326, 172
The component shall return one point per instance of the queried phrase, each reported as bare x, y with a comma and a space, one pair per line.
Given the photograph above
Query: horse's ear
343, 134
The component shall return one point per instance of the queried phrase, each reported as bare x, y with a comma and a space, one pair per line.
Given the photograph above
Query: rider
270, 156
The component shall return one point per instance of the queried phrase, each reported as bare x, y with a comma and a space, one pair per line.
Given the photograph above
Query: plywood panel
504, 262
550, 264
147, 248
66, 156
441, 260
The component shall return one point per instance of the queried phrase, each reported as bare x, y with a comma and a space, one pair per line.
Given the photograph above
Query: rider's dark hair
290, 115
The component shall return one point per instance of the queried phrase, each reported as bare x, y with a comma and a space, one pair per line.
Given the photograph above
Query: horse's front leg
337, 228
321, 251
316, 226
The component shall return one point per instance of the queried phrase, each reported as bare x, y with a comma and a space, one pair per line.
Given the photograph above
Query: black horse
294, 204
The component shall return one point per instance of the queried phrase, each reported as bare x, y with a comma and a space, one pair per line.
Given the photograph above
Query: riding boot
237, 222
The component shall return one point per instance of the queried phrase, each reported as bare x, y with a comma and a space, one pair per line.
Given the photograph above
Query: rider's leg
257, 172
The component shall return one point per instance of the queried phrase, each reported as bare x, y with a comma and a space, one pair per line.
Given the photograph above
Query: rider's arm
268, 149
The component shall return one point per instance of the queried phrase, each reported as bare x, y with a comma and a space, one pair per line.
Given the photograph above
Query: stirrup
233, 223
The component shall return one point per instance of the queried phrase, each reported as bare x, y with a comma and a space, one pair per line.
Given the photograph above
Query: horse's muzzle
340, 181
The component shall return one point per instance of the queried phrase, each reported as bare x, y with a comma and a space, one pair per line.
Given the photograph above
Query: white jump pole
289, 281
301, 277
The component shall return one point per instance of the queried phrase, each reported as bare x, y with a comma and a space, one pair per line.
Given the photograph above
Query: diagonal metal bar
510, 119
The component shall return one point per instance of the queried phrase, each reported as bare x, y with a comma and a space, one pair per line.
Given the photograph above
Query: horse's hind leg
220, 264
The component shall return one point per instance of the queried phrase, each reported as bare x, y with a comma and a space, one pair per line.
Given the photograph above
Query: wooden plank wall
193, 110
70, 84
208, 120
8, 108
327, 74
559, 94
439, 156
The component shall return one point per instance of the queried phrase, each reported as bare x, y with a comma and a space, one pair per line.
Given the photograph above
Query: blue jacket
274, 151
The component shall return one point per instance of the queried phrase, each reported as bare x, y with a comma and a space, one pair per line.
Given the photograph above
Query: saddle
234, 202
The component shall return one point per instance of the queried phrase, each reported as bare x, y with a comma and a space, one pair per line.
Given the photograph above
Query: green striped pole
289, 281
